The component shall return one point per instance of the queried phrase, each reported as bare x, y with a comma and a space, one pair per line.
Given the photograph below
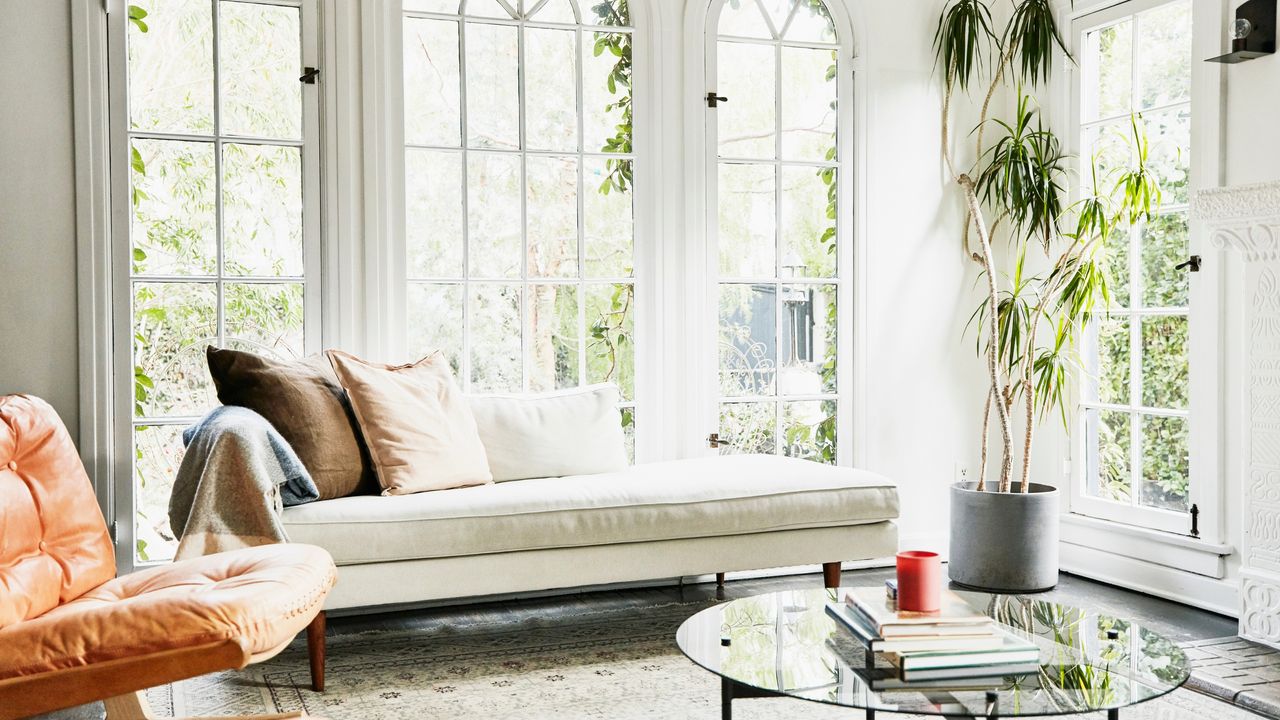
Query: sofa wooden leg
831, 574
719, 580
315, 651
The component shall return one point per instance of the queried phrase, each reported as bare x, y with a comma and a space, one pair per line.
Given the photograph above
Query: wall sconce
1253, 34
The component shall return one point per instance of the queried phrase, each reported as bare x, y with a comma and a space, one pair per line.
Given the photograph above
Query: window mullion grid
464, 362
525, 289
220, 293
1135, 301
581, 145
777, 241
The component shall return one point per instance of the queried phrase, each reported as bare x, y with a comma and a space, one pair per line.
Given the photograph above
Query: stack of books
957, 641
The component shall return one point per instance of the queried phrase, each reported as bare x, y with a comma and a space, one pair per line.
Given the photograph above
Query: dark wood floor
1178, 622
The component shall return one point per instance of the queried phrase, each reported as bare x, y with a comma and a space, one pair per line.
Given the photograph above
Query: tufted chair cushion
54, 545
262, 596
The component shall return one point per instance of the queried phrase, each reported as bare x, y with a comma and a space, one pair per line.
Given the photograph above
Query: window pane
811, 23
808, 222
1107, 88
1164, 362
1165, 469
434, 316
262, 210
778, 11
808, 103
553, 338
1164, 246
747, 428
606, 92
807, 340
629, 431
496, 360
748, 350
260, 56
171, 68
174, 229
1108, 155
607, 214
1109, 458
809, 430
1112, 375
493, 88
493, 214
606, 12
265, 318
1170, 136
552, 186
431, 82
742, 18
555, 11
610, 327
550, 76
158, 452
172, 324
1117, 265
747, 120
433, 213
1164, 51
439, 6
747, 243
486, 8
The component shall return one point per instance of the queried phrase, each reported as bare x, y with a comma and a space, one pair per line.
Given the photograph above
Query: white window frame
1204, 299
123, 506
705, 278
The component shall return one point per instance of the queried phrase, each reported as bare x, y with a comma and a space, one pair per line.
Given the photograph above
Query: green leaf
136, 15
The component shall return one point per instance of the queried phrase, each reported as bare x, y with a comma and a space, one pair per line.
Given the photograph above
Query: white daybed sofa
647, 522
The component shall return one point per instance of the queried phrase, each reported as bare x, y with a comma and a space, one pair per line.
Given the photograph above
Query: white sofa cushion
705, 497
568, 432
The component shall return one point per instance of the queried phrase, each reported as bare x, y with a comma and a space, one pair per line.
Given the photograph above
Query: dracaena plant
1030, 321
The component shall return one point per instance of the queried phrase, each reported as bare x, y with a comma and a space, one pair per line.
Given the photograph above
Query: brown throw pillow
419, 427
304, 402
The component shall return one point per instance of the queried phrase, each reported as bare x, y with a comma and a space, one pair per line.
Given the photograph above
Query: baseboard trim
1215, 595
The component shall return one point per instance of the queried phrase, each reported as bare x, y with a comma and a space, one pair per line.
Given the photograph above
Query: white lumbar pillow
568, 432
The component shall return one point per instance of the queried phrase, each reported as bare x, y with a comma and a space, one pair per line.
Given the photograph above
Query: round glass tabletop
785, 644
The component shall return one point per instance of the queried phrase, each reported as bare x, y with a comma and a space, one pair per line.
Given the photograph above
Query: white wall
38, 341
1252, 121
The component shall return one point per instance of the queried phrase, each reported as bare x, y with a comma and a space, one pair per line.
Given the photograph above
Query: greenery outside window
1135, 403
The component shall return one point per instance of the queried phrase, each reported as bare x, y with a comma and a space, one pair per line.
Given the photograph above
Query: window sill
1179, 552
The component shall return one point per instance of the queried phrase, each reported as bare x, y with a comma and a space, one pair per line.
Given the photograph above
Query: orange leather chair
71, 632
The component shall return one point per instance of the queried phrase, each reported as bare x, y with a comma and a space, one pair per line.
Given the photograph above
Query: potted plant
1033, 317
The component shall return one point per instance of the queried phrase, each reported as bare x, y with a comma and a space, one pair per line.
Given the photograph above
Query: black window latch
1193, 263
714, 100
309, 75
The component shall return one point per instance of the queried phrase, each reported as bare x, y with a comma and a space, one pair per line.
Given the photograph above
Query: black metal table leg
726, 699
1113, 714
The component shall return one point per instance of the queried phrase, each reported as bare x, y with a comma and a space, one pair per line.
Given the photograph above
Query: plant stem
986, 441
993, 307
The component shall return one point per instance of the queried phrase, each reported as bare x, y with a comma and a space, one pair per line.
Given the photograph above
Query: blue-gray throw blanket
235, 479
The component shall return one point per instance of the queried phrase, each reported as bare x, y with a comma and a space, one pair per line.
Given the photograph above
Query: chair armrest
27, 695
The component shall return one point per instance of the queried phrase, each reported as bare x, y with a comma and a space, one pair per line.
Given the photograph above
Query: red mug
919, 581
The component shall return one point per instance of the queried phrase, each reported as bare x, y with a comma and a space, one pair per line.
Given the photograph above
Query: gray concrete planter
1004, 542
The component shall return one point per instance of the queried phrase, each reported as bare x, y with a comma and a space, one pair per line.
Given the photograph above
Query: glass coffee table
785, 645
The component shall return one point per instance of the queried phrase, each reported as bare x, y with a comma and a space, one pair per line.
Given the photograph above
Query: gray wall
37, 206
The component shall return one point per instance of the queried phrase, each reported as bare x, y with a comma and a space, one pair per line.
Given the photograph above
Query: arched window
518, 191
774, 176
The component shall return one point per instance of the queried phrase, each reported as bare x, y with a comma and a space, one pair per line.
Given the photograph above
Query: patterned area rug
622, 665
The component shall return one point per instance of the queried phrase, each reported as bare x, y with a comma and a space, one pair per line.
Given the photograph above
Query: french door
777, 223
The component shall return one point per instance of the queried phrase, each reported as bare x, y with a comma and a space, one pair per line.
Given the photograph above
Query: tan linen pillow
419, 429
304, 403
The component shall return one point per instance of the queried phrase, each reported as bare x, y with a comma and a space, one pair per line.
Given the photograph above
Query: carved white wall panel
1246, 220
